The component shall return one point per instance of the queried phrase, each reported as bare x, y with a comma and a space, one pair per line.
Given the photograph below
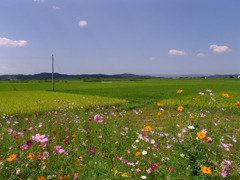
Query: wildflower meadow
95, 141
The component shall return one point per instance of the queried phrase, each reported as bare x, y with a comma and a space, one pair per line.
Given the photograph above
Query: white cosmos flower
191, 127
137, 140
144, 152
182, 155
144, 177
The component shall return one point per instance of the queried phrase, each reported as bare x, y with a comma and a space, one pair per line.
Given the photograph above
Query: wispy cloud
82, 23
219, 49
201, 55
174, 52
12, 43
56, 7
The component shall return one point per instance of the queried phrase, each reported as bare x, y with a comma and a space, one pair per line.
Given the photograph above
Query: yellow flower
179, 91
180, 108
159, 113
12, 157
201, 135
147, 128
159, 104
114, 171
206, 170
124, 175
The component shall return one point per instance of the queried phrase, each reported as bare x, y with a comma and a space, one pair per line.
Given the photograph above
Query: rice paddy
147, 129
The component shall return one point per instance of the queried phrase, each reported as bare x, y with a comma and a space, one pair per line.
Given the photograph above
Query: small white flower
133, 146
137, 140
191, 127
182, 155
144, 152
144, 177
197, 138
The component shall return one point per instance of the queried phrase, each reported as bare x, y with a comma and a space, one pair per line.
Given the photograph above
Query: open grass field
145, 129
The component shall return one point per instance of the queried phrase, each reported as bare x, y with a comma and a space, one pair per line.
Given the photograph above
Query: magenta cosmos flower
91, 150
153, 166
39, 138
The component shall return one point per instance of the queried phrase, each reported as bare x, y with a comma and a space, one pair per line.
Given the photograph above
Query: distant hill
45, 76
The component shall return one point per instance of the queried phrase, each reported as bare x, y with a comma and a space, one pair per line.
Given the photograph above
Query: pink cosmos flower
39, 138
201, 93
57, 150
98, 118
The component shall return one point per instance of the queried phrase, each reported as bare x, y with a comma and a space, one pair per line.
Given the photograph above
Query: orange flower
136, 148
207, 140
41, 178
201, 135
206, 170
11, 157
45, 163
138, 153
75, 174
180, 108
159, 113
179, 91
225, 95
39, 146
61, 177
79, 168
61, 170
147, 128
31, 156
159, 104
79, 159
191, 117
237, 104
74, 135
196, 99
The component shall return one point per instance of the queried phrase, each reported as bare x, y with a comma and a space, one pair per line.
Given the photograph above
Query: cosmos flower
11, 157
91, 150
206, 170
153, 166
144, 152
180, 108
147, 128
57, 150
39, 138
201, 135
179, 91
98, 118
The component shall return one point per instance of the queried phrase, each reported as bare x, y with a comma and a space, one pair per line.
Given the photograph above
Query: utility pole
52, 73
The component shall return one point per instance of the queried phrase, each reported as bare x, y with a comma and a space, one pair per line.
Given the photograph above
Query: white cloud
56, 7
39, 1
82, 23
219, 49
12, 43
201, 55
174, 52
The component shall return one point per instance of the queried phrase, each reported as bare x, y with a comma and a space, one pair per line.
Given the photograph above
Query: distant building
238, 76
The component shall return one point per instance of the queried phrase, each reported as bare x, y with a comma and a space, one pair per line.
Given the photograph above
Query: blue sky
120, 36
